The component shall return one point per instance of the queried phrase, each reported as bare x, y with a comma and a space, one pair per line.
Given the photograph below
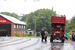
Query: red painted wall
4, 21
12, 29
20, 32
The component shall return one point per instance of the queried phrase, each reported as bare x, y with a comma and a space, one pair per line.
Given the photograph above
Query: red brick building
9, 25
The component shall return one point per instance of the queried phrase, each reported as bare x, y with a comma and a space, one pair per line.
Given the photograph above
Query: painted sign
2, 20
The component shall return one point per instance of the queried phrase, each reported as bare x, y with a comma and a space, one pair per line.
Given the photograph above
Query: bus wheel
62, 40
51, 40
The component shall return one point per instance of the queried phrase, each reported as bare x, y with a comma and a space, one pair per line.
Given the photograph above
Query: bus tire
51, 40
62, 40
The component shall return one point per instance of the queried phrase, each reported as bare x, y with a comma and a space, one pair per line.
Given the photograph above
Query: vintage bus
57, 28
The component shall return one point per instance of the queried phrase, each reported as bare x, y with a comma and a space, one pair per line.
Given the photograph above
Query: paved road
16, 43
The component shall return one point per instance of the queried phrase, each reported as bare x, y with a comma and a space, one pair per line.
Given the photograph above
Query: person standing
66, 35
70, 36
46, 33
42, 34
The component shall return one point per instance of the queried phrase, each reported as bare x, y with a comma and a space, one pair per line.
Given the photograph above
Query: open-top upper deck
57, 19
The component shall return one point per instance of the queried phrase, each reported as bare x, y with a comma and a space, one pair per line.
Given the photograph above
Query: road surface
18, 43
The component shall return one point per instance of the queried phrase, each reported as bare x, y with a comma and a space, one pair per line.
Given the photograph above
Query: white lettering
2, 20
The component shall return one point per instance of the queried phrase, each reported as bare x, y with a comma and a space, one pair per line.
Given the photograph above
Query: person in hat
42, 34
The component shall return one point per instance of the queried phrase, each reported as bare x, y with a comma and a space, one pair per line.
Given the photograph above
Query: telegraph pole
35, 19
26, 25
35, 27
50, 19
52, 10
26, 22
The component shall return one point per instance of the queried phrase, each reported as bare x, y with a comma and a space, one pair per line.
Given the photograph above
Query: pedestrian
42, 34
74, 36
66, 35
46, 33
70, 36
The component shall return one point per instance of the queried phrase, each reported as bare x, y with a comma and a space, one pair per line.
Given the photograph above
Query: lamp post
26, 25
50, 19
35, 27
52, 10
26, 21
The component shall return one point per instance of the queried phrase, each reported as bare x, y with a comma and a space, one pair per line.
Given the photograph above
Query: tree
71, 24
66, 26
24, 17
10, 14
72, 20
42, 17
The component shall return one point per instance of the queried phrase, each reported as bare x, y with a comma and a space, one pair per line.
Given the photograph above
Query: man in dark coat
42, 34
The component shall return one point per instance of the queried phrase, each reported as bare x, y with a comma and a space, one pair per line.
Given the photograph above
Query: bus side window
53, 28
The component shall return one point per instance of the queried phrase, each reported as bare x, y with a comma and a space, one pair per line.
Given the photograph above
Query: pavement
18, 43
71, 42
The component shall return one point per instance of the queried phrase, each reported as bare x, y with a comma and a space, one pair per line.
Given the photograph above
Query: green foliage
10, 14
66, 27
23, 34
45, 28
24, 18
70, 32
16, 34
42, 17
72, 20
71, 24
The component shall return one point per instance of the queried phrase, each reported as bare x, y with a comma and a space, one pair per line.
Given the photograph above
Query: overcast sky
61, 7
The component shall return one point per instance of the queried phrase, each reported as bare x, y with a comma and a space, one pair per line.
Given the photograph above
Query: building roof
12, 19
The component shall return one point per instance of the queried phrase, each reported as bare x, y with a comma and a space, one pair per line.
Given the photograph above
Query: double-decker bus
57, 28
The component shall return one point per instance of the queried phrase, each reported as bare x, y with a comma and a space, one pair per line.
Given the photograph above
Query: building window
22, 27
14, 27
17, 27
